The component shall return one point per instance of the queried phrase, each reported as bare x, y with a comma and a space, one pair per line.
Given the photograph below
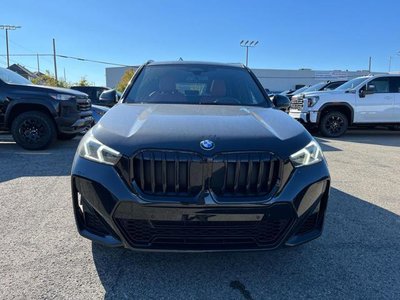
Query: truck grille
83, 104
296, 103
186, 174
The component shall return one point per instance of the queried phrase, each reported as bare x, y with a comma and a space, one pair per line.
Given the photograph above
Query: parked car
363, 101
321, 86
196, 157
290, 93
36, 115
94, 93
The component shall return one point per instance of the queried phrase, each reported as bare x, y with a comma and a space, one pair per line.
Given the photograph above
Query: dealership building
274, 79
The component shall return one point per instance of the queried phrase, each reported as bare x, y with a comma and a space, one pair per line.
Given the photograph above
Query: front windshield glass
315, 87
300, 90
351, 84
11, 77
196, 84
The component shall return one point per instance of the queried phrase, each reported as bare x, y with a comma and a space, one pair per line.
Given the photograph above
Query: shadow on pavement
17, 162
383, 137
357, 257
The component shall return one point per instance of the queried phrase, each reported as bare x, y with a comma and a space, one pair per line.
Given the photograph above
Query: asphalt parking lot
358, 256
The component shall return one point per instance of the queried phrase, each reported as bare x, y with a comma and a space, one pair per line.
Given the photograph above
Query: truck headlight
309, 155
61, 96
311, 101
92, 149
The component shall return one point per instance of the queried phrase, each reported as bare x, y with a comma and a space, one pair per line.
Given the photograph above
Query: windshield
300, 90
11, 77
315, 87
351, 84
196, 84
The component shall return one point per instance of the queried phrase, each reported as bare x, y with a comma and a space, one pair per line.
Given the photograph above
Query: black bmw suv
196, 157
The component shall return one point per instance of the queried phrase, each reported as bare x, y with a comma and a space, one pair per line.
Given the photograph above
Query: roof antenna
180, 59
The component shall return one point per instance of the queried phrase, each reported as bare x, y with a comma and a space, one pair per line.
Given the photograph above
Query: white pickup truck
363, 101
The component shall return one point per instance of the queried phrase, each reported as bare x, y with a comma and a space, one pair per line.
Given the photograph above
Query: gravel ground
42, 255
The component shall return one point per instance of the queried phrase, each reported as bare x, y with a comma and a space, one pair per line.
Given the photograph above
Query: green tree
49, 80
84, 82
125, 80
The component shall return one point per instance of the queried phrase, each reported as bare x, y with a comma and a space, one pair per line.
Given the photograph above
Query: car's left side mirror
108, 98
281, 102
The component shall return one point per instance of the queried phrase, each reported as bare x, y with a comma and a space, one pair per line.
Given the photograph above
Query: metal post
8, 52
248, 44
369, 64
38, 65
7, 28
55, 60
247, 56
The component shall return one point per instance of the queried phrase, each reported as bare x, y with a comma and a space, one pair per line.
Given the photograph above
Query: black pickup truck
37, 115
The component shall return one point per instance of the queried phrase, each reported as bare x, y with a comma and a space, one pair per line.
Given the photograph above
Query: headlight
309, 155
92, 149
61, 96
312, 101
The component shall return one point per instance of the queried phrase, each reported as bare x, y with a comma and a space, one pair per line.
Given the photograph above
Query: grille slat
260, 175
152, 174
186, 174
176, 173
237, 176
249, 173
142, 172
164, 174
296, 103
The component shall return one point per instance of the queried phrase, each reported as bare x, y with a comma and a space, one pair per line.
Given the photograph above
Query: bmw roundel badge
207, 145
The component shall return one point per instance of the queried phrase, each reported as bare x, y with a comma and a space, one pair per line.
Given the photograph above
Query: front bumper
108, 212
304, 117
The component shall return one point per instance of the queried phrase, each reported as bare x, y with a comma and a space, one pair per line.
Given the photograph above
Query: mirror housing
370, 89
108, 98
281, 102
366, 90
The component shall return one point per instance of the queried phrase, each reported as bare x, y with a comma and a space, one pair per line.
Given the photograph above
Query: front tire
333, 124
33, 130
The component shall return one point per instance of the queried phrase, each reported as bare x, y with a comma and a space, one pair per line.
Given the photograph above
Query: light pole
247, 44
7, 28
390, 60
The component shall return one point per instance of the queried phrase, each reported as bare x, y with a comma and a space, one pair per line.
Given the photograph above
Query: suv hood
41, 89
130, 127
319, 93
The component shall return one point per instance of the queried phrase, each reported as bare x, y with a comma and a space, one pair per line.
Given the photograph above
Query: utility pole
369, 64
248, 44
38, 65
55, 60
7, 28
390, 60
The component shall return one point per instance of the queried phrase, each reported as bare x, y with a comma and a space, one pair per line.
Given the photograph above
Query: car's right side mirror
281, 102
108, 98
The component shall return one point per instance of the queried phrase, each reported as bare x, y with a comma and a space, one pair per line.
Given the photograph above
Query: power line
70, 57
